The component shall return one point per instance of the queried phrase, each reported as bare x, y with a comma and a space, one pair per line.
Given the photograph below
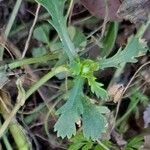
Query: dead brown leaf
98, 8
134, 10
115, 92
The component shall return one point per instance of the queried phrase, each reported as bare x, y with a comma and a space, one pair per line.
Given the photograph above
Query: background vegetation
74, 74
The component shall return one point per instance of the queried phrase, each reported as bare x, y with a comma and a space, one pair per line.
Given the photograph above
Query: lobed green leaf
58, 21
135, 48
71, 111
96, 88
65, 126
94, 123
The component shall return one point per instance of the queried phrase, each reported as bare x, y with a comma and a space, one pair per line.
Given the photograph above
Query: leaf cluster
79, 107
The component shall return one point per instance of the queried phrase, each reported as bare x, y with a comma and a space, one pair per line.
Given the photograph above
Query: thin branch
69, 12
105, 19
30, 32
131, 80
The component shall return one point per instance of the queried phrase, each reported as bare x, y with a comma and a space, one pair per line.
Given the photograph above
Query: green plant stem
13, 16
68, 45
10, 24
101, 144
143, 28
20, 137
6, 141
44, 79
33, 88
16, 130
133, 106
127, 113
28, 61
33, 60
51, 110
